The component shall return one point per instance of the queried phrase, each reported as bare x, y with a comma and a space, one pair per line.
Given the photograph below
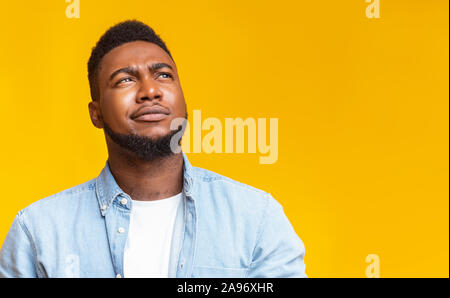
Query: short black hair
127, 31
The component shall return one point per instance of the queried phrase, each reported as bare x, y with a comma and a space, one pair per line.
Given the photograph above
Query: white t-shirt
147, 249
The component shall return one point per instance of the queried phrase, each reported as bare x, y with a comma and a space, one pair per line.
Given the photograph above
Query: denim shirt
223, 229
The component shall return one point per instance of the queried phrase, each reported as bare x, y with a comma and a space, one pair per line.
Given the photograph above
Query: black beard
148, 149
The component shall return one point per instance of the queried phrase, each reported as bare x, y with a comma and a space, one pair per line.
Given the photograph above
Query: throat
149, 181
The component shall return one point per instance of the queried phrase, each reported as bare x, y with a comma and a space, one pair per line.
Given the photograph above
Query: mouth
151, 114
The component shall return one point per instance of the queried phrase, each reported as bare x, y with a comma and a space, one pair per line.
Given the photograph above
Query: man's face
138, 78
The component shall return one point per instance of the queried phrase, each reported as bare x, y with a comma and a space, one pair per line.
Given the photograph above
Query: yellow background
362, 107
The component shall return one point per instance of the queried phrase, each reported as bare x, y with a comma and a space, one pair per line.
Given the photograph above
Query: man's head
135, 90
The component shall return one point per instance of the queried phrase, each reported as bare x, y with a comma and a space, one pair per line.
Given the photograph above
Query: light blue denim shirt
223, 228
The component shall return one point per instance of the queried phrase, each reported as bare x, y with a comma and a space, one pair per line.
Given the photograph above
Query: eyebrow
133, 70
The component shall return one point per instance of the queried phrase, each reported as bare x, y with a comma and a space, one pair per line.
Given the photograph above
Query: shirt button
124, 201
103, 207
121, 230
118, 276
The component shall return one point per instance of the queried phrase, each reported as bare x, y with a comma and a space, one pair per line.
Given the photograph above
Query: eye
165, 75
124, 80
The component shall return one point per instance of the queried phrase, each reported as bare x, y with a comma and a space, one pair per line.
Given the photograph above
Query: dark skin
120, 97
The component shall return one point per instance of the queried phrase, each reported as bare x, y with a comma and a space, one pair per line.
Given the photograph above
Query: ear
95, 113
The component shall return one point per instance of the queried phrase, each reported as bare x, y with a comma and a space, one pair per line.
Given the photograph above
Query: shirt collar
107, 188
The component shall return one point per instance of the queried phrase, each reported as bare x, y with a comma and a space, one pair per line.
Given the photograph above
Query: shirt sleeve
17, 255
279, 252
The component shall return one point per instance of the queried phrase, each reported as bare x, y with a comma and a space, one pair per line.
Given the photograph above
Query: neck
147, 180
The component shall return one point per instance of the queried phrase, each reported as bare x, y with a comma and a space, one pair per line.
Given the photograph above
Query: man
149, 213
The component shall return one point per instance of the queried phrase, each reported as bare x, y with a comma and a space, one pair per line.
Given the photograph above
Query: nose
149, 90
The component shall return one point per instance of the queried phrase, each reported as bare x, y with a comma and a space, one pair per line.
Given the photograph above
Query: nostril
150, 98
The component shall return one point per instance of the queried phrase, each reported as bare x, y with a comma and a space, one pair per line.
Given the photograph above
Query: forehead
137, 53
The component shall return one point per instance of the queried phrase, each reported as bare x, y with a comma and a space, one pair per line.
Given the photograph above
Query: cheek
116, 109
177, 102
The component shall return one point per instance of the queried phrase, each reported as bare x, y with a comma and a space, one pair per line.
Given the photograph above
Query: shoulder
227, 190
207, 176
59, 203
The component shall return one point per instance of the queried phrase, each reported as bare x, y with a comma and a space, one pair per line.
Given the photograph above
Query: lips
151, 113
